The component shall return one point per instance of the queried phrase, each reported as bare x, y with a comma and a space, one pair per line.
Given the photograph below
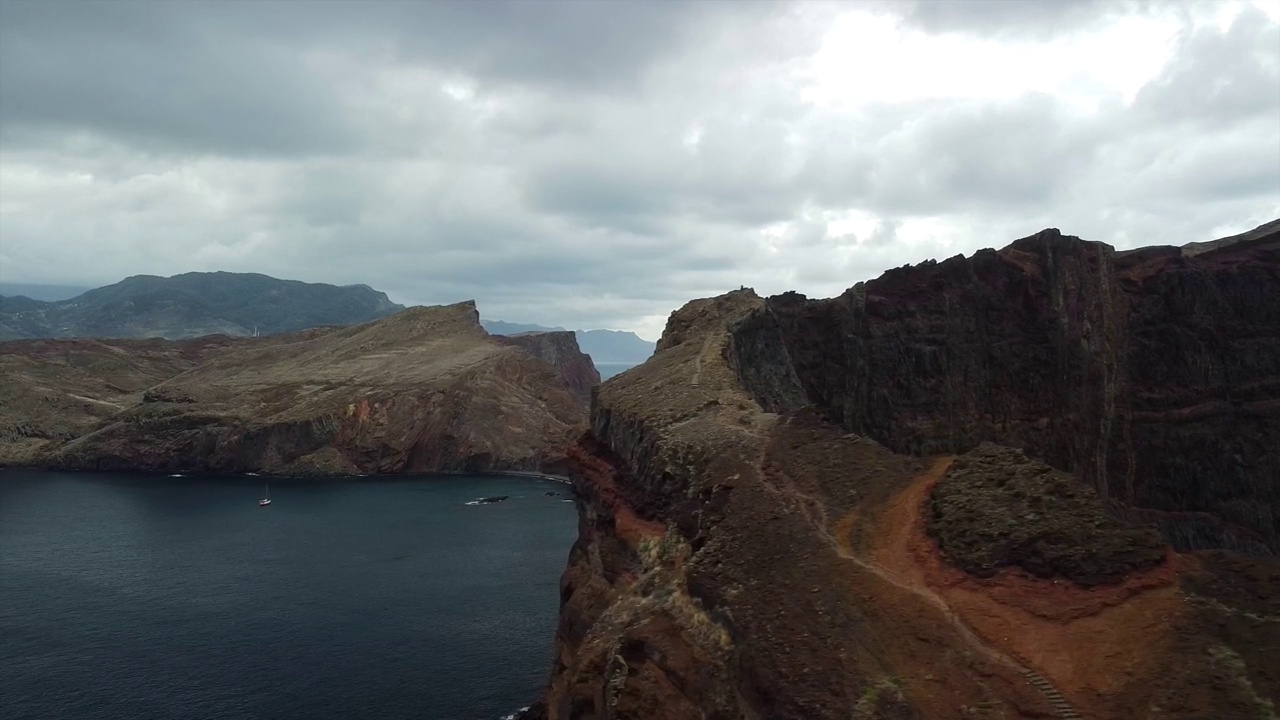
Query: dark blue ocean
138, 597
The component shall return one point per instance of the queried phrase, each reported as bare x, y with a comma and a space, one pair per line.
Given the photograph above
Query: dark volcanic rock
734, 562
995, 509
1152, 375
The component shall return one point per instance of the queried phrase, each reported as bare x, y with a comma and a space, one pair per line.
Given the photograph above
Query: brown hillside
423, 390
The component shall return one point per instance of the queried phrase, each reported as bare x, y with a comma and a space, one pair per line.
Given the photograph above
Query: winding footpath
816, 512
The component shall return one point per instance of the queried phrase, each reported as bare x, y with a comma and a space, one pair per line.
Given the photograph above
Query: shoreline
182, 474
531, 474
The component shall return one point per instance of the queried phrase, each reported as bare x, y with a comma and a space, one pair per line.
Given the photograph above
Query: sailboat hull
263, 503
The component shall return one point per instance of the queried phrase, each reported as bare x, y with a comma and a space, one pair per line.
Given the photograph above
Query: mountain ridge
196, 304
424, 390
604, 346
191, 305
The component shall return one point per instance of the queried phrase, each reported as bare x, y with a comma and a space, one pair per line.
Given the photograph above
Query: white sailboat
266, 496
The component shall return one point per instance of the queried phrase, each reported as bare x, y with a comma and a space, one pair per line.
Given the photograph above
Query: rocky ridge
793, 509
425, 390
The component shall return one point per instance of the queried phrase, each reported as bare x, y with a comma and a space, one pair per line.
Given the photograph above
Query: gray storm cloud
598, 164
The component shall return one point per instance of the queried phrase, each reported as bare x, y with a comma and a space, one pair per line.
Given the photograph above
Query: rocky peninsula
1039, 482
423, 390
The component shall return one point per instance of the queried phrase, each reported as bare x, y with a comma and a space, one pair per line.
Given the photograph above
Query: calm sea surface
137, 597
609, 369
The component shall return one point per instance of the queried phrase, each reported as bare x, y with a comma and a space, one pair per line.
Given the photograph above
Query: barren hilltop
424, 390
815, 508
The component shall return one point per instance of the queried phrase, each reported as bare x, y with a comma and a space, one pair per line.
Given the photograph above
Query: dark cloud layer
599, 163
1016, 18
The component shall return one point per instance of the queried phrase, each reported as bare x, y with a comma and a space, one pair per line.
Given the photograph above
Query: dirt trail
697, 362
913, 581
1098, 642
894, 561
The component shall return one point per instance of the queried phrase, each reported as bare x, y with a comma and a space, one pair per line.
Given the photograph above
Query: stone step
1056, 701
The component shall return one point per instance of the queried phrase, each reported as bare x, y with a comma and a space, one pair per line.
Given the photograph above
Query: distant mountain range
236, 304
48, 293
604, 346
192, 305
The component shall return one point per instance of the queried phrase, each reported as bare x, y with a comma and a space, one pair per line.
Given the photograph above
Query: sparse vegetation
1229, 661
995, 508
885, 691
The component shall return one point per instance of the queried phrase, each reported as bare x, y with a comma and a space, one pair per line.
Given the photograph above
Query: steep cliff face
560, 350
1151, 375
421, 391
742, 554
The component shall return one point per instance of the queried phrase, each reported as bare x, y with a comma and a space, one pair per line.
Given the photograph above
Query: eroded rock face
425, 390
742, 554
1151, 375
560, 350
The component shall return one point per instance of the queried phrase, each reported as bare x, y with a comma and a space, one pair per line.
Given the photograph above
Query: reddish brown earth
425, 390
743, 554
560, 350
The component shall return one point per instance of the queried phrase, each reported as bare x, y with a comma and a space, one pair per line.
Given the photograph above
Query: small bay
143, 596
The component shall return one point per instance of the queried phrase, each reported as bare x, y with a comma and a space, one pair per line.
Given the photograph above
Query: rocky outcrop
995, 509
425, 390
560, 350
789, 511
1151, 375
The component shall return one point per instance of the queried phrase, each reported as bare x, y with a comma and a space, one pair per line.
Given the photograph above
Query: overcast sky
598, 164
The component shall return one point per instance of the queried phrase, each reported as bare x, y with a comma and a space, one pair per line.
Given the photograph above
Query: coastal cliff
559, 348
424, 390
808, 509
1151, 375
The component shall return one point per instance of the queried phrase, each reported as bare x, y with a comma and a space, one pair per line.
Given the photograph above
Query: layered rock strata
1151, 375
794, 510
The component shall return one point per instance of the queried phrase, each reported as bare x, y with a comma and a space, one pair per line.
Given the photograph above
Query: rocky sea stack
1039, 482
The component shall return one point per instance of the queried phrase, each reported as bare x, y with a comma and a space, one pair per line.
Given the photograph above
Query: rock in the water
490, 500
